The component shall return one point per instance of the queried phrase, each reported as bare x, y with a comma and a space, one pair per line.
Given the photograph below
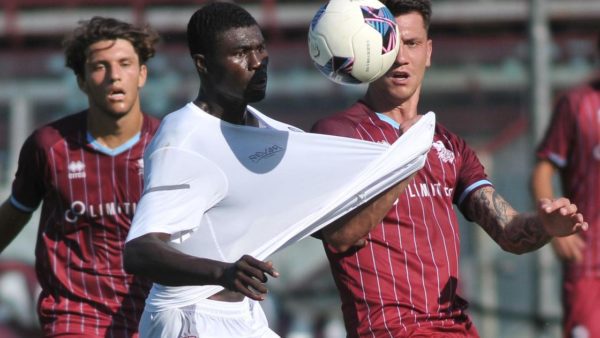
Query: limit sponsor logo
79, 208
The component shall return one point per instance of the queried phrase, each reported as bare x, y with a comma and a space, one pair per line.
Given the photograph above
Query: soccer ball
353, 41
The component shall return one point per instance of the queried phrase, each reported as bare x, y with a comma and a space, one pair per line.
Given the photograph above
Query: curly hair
399, 7
97, 29
214, 18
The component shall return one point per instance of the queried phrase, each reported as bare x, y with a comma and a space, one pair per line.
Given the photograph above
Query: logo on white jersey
140, 165
76, 169
444, 154
269, 151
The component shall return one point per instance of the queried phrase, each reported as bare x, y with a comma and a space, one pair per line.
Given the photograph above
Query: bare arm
150, 256
568, 248
522, 232
541, 180
351, 229
12, 221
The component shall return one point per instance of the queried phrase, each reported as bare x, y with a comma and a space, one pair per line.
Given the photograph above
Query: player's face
238, 68
113, 78
405, 77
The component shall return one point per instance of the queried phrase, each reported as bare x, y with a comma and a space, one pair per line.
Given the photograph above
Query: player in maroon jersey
396, 261
86, 170
571, 148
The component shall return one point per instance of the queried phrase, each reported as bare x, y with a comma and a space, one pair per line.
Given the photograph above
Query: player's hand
248, 276
560, 217
569, 248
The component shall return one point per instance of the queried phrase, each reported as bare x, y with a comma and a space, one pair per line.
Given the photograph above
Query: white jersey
224, 190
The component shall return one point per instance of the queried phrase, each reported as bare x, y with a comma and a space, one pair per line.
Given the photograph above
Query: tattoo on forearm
525, 233
486, 208
501, 208
517, 233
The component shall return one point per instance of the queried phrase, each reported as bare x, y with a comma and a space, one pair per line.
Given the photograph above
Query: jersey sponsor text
428, 190
79, 208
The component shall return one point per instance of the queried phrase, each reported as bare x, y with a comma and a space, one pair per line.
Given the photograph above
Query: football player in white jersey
230, 56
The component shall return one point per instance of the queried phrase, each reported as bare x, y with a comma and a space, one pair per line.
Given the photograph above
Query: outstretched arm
12, 221
522, 232
150, 256
568, 248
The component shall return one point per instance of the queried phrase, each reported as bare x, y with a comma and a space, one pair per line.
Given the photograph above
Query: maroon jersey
88, 199
405, 280
572, 143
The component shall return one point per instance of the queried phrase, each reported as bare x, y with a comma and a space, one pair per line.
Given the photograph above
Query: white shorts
208, 319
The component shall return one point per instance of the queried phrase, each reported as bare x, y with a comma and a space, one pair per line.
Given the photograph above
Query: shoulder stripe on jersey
20, 205
471, 188
168, 187
558, 160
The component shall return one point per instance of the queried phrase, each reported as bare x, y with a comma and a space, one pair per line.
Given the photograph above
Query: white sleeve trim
558, 160
471, 188
20, 205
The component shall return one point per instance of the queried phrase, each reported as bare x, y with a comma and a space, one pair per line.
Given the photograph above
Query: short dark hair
213, 19
99, 28
399, 7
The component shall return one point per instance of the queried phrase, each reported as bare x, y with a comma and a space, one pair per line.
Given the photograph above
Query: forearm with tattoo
514, 232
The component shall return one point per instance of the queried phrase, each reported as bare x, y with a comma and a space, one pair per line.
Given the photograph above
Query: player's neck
232, 113
112, 131
398, 111
400, 114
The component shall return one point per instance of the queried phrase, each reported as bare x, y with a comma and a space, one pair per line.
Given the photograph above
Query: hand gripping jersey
224, 190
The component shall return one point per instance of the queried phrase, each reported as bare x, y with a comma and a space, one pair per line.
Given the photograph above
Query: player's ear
143, 75
200, 63
429, 52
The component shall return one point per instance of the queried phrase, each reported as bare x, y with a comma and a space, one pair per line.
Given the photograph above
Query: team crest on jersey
444, 154
76, 170
140, 165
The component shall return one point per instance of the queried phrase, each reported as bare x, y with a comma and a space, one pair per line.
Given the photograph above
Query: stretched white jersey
224, 190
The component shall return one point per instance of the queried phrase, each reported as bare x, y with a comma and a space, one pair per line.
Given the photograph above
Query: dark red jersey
572, 143
88, 197
405, 280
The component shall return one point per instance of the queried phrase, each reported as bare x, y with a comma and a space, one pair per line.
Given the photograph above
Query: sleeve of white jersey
179, 187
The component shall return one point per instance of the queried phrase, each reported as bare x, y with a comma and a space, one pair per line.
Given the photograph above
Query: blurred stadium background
497, 66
